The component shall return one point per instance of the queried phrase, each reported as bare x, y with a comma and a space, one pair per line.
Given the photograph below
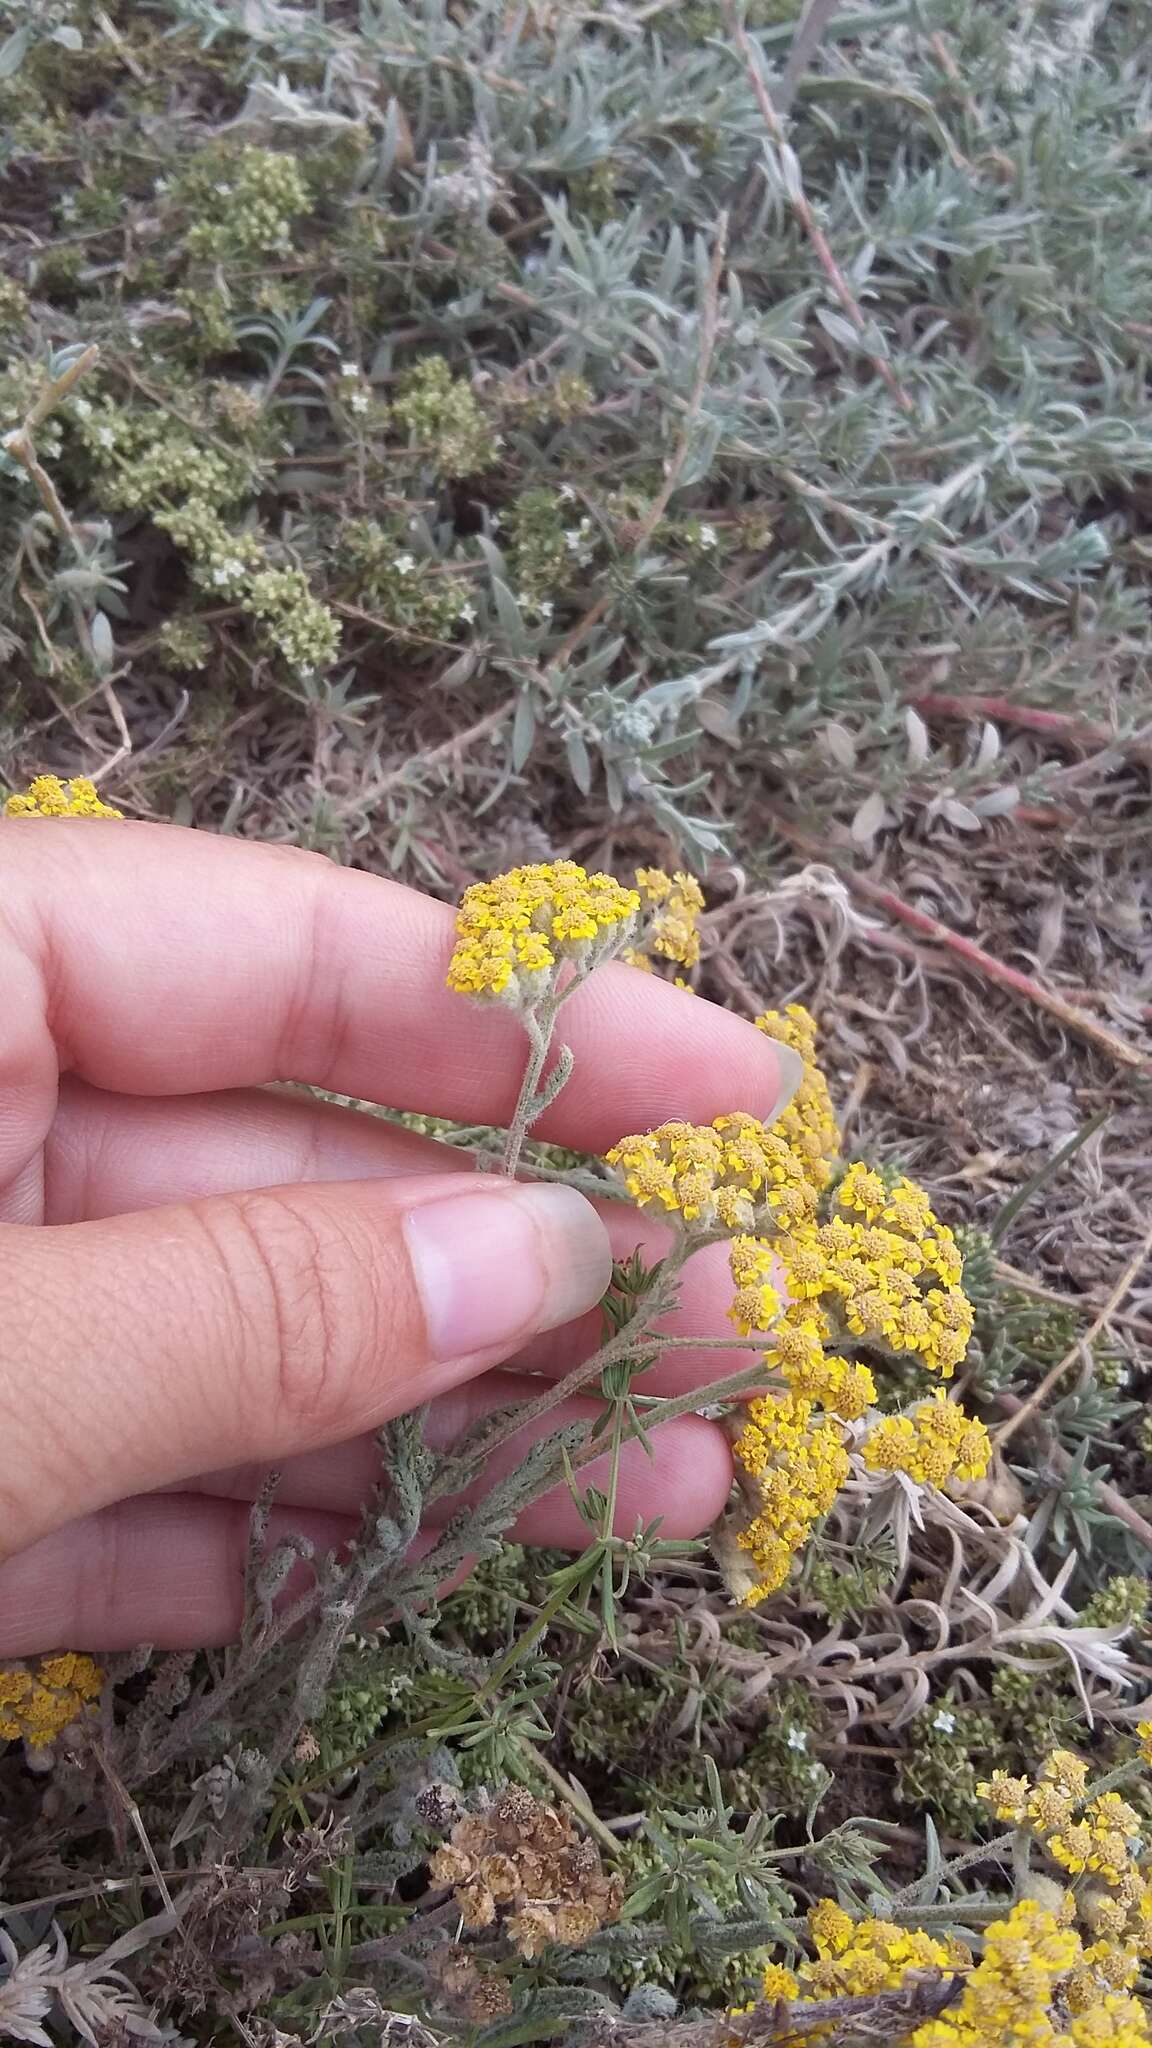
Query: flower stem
539, 1024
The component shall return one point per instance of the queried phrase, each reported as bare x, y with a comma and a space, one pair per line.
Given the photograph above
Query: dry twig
973, 956
1080, 1348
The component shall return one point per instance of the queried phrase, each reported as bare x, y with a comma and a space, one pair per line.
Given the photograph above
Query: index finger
161, 961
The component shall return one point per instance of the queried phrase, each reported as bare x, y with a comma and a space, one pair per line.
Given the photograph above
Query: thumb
142, 1350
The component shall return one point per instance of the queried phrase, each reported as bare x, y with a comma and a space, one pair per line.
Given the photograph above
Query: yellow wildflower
36, 1704
845, 1389
1008, 1797
864, 1190
757, 1301
831, 1927
1008, 1995
677, 901
514, 933
731, 1173
809, 1123
47, 797
937, 1441
778, 1982
1114, 2022
868, 1956
800, 1464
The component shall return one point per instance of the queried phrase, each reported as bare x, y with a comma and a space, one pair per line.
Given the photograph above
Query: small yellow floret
47, 797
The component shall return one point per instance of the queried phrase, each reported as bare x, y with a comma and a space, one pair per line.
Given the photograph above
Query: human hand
201, 1278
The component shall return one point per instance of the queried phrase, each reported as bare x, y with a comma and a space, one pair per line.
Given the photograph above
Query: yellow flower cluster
513, 933
800, 1464
937, 1441
36, 1704
1032, 1988
731, 1174
809, 1122
47, 797
856, 1958
1096, 1840
1025, 1993
892, 1279
880, 1268
897, 1271
677, 901
875, 1266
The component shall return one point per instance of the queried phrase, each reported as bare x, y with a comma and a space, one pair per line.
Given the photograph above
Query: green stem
508, 1662
608, 1522
539, 1026
626, 1342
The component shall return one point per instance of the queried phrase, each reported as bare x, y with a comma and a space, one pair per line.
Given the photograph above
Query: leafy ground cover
444, 436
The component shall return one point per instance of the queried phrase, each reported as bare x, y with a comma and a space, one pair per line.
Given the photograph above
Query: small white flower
467, 612
404, 564
944, 1721
545, 608
229, 571
796, 1738
567, 493
573, 541
358, 402
708, 536
349, 369
105, 437
224, 189
82, 407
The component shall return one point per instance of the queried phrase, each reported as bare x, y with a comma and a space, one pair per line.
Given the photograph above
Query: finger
151, 1347
684, 1478
151, 960
163, 1569
169, 1568
109, 1154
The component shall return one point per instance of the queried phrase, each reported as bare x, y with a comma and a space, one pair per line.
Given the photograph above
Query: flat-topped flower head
731, 1174
675, 902
47, 797
516, 934
937, 1441
897, 1270
39, 1701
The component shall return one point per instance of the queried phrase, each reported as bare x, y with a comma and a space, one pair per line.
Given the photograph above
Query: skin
202, 1274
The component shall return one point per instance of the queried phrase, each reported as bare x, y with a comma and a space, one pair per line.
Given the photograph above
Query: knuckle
309, 1310
315, 1026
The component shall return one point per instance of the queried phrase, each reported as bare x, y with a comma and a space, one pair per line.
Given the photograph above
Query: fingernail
499, 1265
791, 1069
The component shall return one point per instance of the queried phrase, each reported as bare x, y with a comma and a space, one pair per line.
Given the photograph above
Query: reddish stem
983, 964
1057, 725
